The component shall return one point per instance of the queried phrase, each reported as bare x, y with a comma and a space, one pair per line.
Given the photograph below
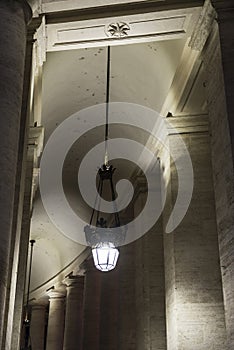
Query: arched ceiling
73, 80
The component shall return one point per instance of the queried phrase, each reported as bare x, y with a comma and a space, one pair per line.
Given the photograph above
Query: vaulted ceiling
73, 80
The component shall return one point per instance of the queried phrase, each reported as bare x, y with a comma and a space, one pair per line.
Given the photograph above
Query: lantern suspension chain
107, 106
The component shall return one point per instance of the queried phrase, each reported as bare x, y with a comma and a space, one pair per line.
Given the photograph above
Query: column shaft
127, 300
150, 283
219, 61
37, 328
194, 301
12, 62
91, 312
55, 330
74, 313
110, 299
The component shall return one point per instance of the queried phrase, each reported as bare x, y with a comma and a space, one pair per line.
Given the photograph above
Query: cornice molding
36, 139
74, 281
180, 80
54, 283
55, 13
203, 27
40, 45
151, 26
188, 124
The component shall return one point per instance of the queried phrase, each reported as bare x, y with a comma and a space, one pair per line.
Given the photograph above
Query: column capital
39, 304
56, 318
87, 266
74, 280
56, 294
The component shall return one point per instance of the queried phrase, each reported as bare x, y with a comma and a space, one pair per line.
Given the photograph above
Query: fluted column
56, 318
74, 313
14, 18
37, 328
92, 299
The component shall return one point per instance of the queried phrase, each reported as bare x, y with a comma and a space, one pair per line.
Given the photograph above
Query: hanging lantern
103, 239
105, 256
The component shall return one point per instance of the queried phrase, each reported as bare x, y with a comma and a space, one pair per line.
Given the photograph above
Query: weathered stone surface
195, 314
150, 284
12, 61
74, 313
37, 326
127, 304
91, 310
221, 108
55, 330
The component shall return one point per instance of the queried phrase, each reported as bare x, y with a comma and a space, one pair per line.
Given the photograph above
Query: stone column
127, 301
20, 264
37, 326
149, 281
55, 330
74, 313
194, 300
91, 311
219, 62
110, 300
14, 18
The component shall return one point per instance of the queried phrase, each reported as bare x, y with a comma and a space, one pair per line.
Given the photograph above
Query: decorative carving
118, 30
40, 45
203, 27
35, 146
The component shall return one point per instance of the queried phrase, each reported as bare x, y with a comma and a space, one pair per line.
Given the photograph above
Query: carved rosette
117, 30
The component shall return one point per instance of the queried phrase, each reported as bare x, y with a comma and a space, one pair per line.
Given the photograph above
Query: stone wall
195, 315
222, 162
